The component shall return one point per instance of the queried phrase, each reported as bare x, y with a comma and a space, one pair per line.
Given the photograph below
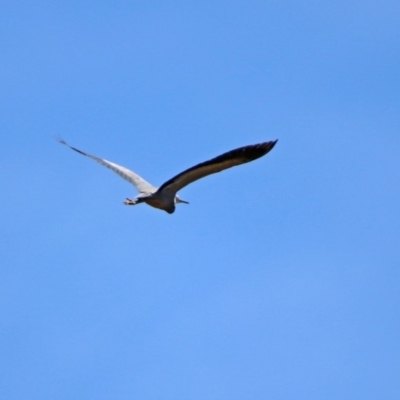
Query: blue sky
281, 278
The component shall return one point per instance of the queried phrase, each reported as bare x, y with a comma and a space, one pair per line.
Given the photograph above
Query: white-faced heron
165, 197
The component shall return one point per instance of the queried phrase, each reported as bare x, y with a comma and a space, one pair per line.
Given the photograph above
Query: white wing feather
140, 184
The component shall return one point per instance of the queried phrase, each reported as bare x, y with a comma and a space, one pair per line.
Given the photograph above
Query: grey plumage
165, 197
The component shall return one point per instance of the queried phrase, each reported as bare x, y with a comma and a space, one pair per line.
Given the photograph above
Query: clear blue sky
280, 280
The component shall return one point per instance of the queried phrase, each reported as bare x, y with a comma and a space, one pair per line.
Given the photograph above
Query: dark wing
141, 185
227, 160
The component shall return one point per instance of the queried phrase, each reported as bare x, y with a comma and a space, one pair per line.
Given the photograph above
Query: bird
165, 197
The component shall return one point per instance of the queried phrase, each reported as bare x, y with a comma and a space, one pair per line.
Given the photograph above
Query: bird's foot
129, 202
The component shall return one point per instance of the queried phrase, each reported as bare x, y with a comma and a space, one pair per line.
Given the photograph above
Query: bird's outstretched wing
141, 185
227, 160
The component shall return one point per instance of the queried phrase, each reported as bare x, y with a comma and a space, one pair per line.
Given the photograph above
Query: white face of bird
179, 200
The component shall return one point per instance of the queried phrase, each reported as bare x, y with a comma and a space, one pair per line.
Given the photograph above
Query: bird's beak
183, 201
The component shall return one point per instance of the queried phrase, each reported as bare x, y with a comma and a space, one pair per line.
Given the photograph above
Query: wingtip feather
59, 139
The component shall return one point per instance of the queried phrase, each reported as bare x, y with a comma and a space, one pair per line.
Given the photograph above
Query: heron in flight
165, 197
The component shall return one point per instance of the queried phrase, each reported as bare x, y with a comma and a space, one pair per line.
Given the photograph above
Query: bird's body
165, 197
158, 200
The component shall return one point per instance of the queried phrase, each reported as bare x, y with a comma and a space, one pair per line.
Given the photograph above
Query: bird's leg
130, 202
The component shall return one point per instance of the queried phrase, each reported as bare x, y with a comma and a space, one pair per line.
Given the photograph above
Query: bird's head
179, 200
